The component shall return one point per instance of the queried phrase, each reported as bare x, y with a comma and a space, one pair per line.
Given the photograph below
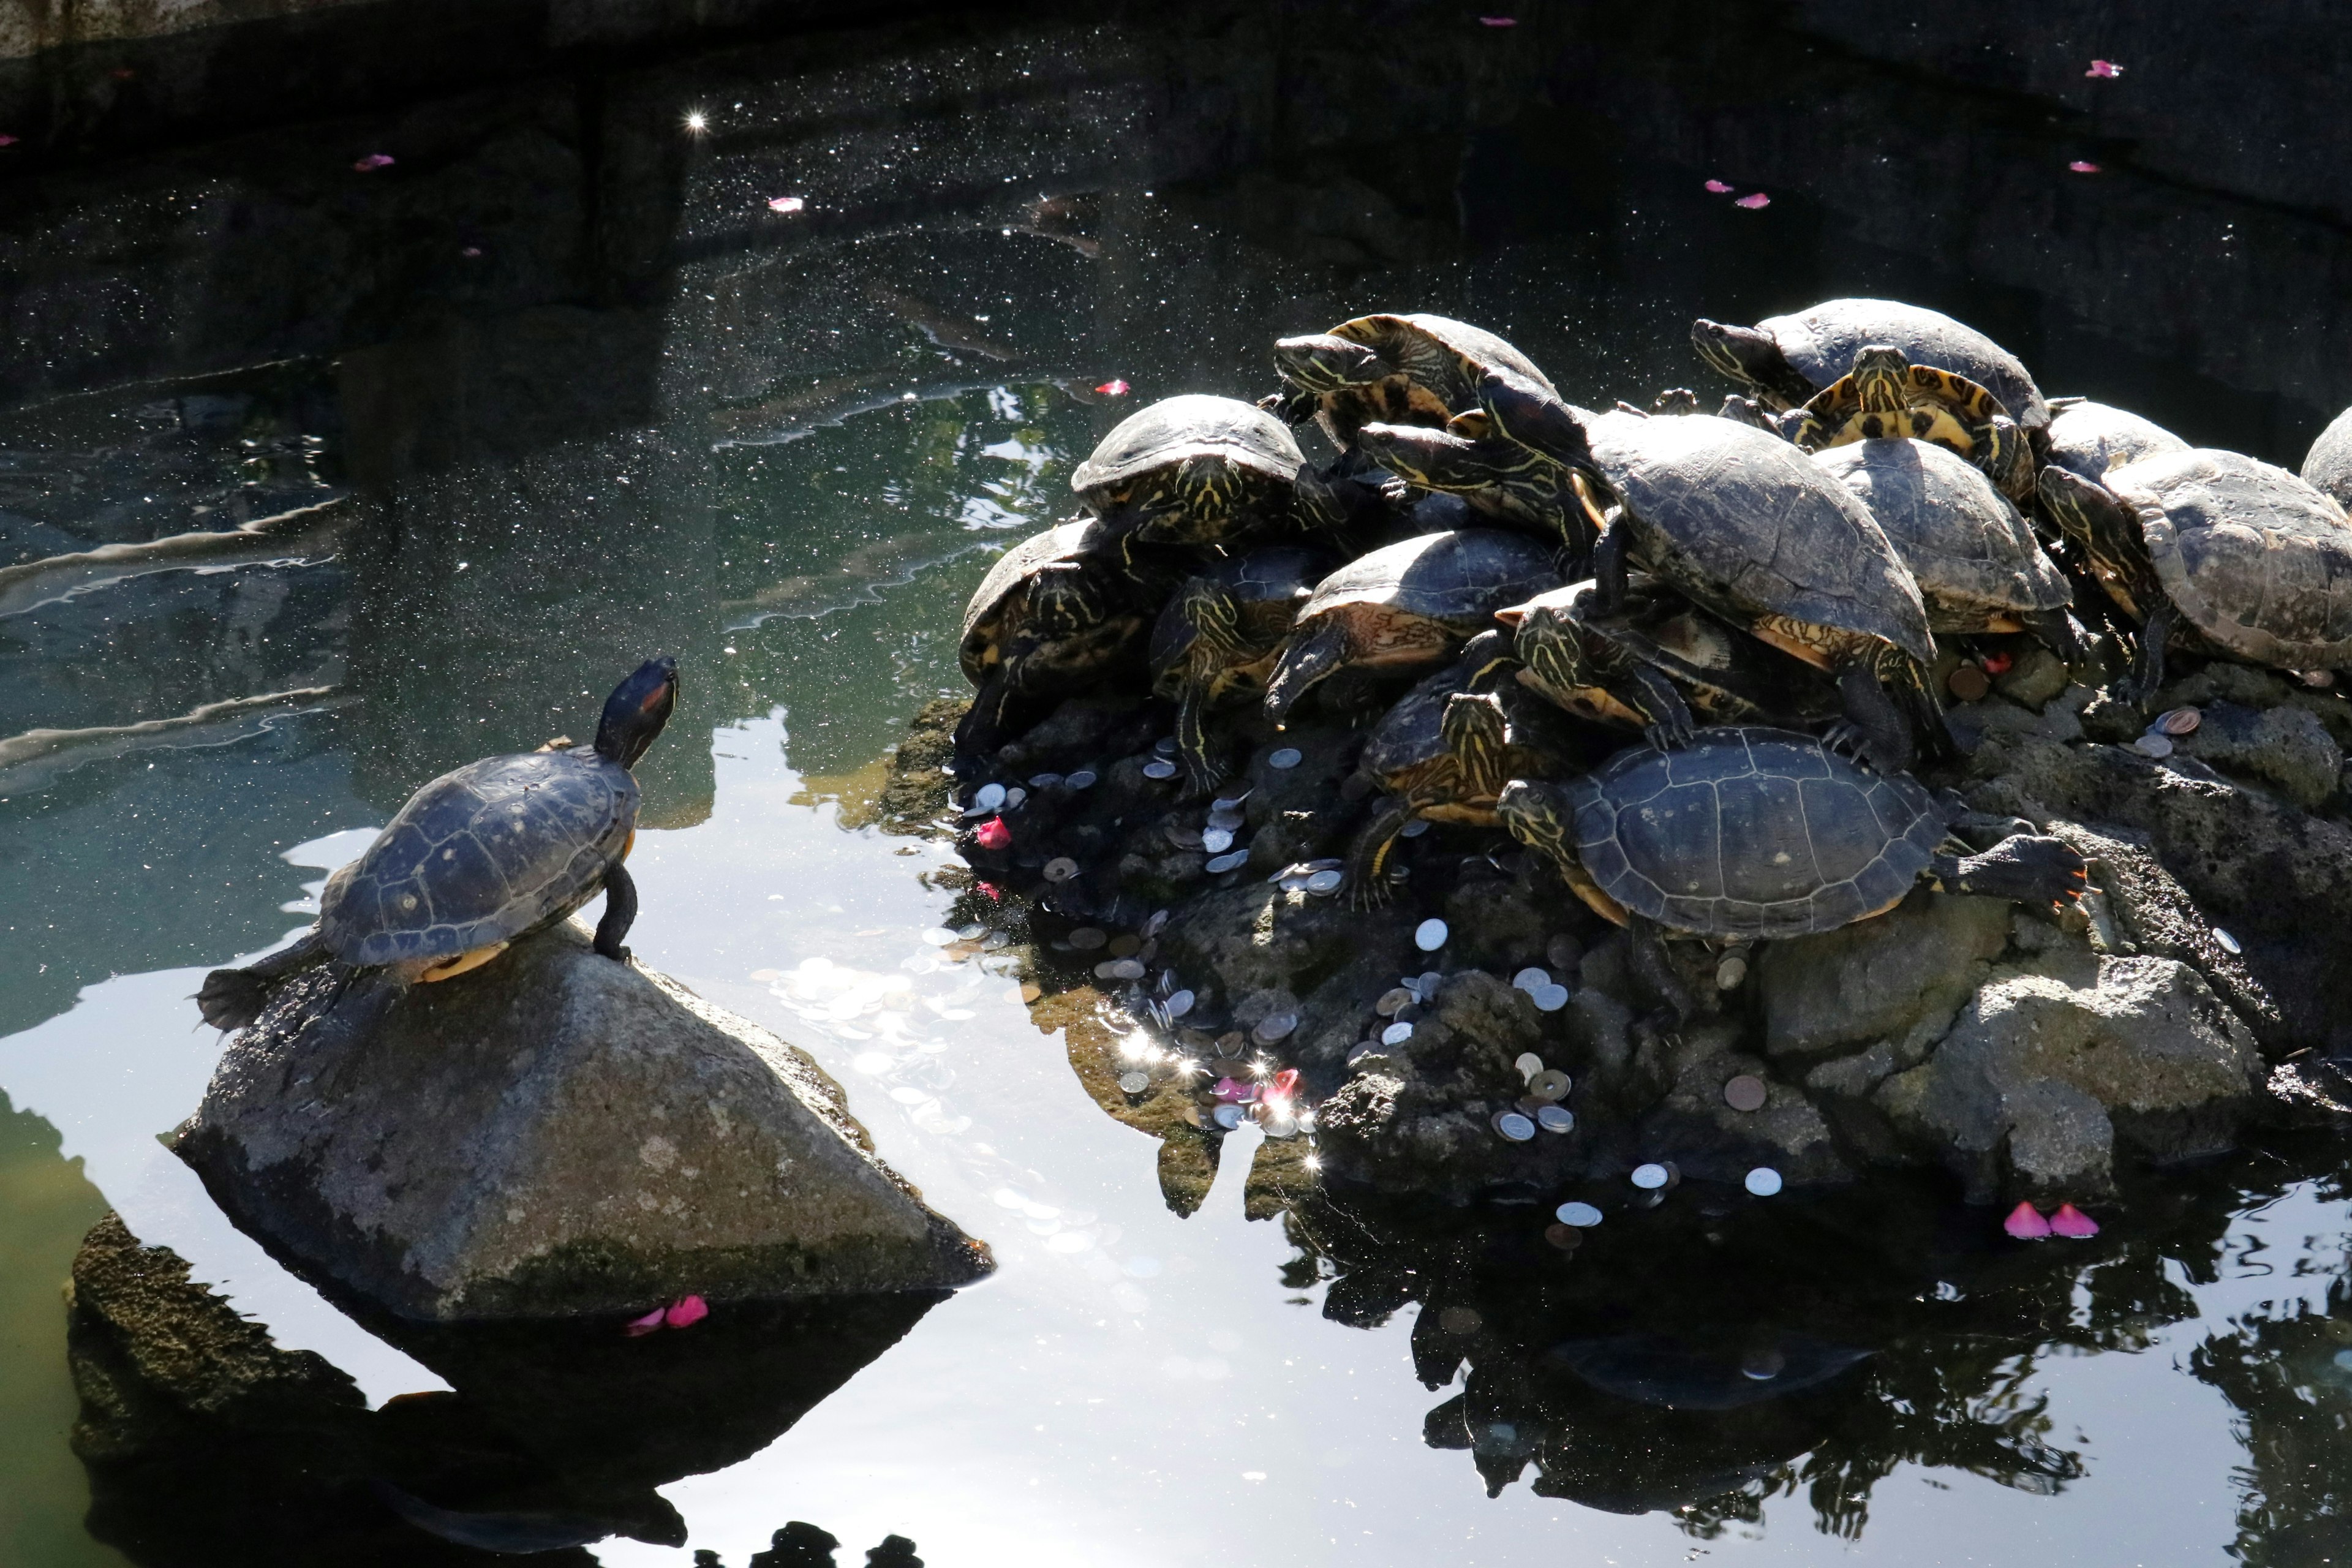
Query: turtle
1751, 834
1785, 360
1749, 528
1221, 630
1887, 396
1977, 565
2214, 552
2327, 467
1058, 613
1656, 661
1445, 751
2088, 438
1503, 481
1396, 369
1198, 470
477, 860
1406, 607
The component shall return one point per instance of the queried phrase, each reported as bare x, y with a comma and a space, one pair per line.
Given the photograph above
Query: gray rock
2043, 1072
552, 1134
2250, 685
2038, 675
1706, 1138
2286, 748
1899, 978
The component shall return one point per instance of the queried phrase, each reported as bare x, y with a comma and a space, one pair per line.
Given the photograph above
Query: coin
1156, 924
1135, 1082
1323, 884
1556, 1119
1216, 841
2153, 746
1228, 1116
1730, 972
1652, 1176
1227, 820
1179, 1003
1551, 1084
1746, 1092
1178, 834
1121, 969
1396, 1034
1414, 829
1763, 1181
1564, 951
1968, 683
1426, 983
1060, 868
1286, 758
1549, 998
1584, 1217
1392, 1000
1229, 802
1275, 1026
1233, 862
1529, 1064
1083, 779
1430, 935
1160, 768
1044, 780
1085, 938
1528, 979
1126, 944
989, 796
1363, 1048
1514, 1127
2229, 943
1014, 796
1566, 1238
1165, 745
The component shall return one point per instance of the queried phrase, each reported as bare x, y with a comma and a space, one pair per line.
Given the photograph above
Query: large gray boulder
1900, 977
552, 1134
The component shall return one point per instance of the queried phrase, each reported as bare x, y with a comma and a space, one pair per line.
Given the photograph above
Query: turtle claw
1847, 740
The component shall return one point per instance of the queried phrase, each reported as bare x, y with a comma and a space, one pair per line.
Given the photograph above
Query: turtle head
1521, 411
1206, 488
1320, 361
1546, 640
1675, 399
1062, 596
1882, 378
2084, 510
1538, 813
1215, 620
1432, 459
1752, 359
1476, 733
636, 712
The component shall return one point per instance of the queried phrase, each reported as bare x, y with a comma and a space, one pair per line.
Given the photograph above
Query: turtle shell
2257, 559
1176, 429
1751, 832
1820, 342
1460, 576
1071, 541
1758, 527
1936, 400
2328, 465
1445, 355
1275, 581
1965, 544
2088, 438
480, 855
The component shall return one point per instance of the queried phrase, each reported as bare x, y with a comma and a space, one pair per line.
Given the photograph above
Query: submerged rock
552, 1134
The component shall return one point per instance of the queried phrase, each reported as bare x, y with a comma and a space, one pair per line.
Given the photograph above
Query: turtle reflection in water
1674, 1374
1748, 834
480, 858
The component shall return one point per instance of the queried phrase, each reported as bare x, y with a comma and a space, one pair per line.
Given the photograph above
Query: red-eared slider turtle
1220, 632
2088, 438
1888, 397
1202, 471
1058, 612
1396, 369
1785, 360
2214, 552
1503, 481
2327, 468
1656, 661
480, 858
1750, 527
1749, 833
1406, 607
1444, 751
1978, 567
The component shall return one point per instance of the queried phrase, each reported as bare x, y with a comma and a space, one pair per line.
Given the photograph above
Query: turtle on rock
1784, 360
2088, 438
1198, 470
1505, 482
1219, 633
2214, 552
2327, 467
1887, 396
1393, 369
1751, 834
478, 858
1977, 565
1406, 607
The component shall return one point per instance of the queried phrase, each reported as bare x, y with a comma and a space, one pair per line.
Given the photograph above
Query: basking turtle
2088, 438
1398, 370
1406, 607
480, 858
1445, 751
1058, 612
1748, 834
1220, 632
1748, 527
1887, 396
2327, 467
1203, 470
1978, 567
1503, 481
1656, 660
1785, 360
2216, 554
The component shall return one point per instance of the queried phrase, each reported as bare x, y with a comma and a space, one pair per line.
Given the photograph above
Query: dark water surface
564, 390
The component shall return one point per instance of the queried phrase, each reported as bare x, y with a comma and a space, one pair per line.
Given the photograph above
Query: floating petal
2026, 1224
1751, 202
686, 1311
2073, 1223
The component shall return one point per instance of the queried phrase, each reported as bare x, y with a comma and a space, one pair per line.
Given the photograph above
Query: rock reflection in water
206, 1444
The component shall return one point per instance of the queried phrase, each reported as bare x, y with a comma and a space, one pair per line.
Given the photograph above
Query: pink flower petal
1113, 388
373, 160
1286, 1083
2104, 68
2026, 1224
1498, 21
995, 894
7, 140
786, 203
1720, 187
686, 1311
471, 252
1752, 202
639, 1326
992, 833
2084, 166
1998, 663
2073, 1223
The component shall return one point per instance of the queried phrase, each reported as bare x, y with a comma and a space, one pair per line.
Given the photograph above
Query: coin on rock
1396, 1034
1584, 1217
1060, 868
1529, 1064
1392, 1002
1323, 884
1135, 1082
1746, 1092
1233, 861
1968, 682
1763, 1181
1430, 935
1275, 1026
1083, 779
1179, 1003
1286, 758
988, 798
1650, 1177
1549, 998
1556, 1119
1518, 1128
1414, 829
1551, 1084
1085, 938
1160, 768
1566, 1238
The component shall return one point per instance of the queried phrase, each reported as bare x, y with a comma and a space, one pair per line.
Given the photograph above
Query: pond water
565, 390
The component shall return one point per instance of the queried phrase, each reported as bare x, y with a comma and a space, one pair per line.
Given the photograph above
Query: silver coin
1730, 972
1135, 1082
1156, 924
1165, 745
1083, 779
1044, 780
1160, 768
1650, 1177
1179, 1003
1216, 841
1014, 796
1060, 868
1227, 820
1085, 938
1556, 1119
1414, 829
1396, 1034
1229, 802
1430, 935
1392, 1002
1120, 969
1584, 1217
1549, 998
2229, 943
1427, 981
990, 797
971, 932
1233, 862
1563, 952
1514, 1127
1295, 883
1763, 1181
1286, 758
2153, 746
1228, 1116
1528, 979
1329, 863
1178, 834
1325, 883
1275, 1026
1529, 1064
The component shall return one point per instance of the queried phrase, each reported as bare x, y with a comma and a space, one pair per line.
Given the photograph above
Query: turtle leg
1884, 735
232, 998
2056, 630
2028, 869
2148, 669
1648, 692
1368, 857
1302, 664
620, 913
982, 729
1611, 571
1654, 973
1201, 774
